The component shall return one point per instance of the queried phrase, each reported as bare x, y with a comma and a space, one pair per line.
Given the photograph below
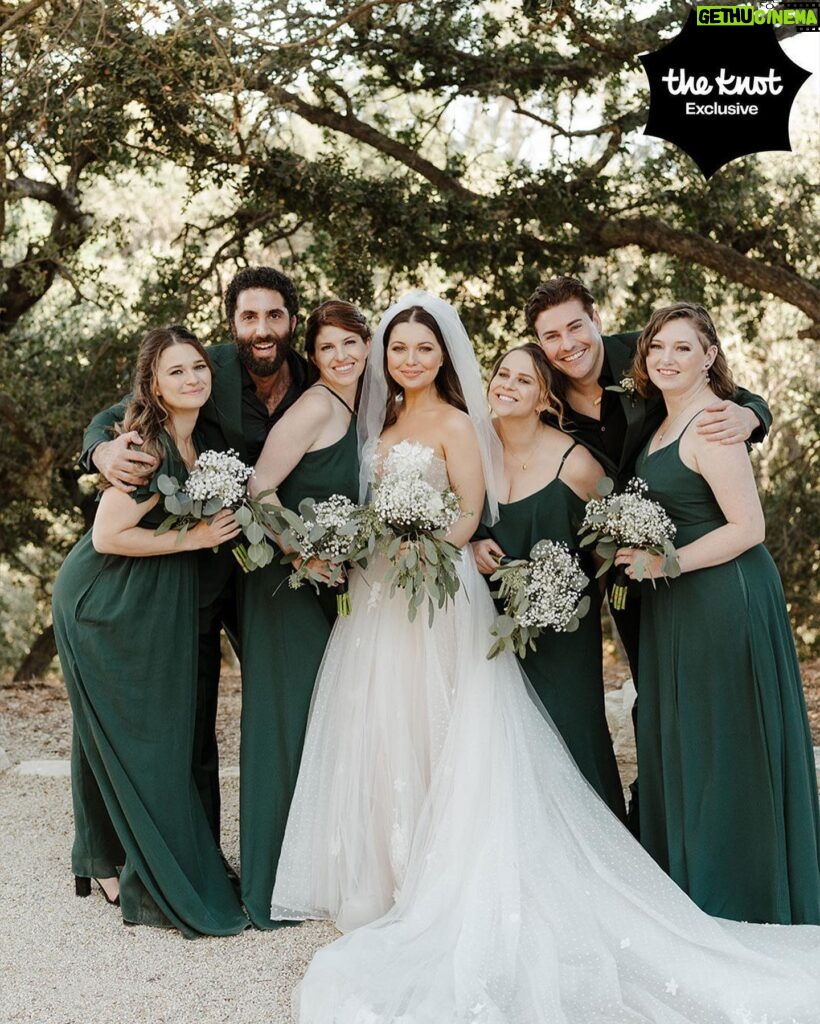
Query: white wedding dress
439, 815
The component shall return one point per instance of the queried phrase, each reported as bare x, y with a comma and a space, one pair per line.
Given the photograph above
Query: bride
438, 817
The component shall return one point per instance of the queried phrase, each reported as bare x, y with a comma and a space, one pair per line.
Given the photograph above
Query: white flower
404, 499
630, 518
553, 587
221, 475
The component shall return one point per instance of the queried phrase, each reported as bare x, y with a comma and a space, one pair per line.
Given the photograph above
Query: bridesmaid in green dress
728, 790
310, 453
547, 479
125, 620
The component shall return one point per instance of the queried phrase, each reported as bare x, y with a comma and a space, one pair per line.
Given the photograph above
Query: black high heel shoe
82, 887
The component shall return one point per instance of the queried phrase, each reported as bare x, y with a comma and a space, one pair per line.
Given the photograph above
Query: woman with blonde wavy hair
548, 477
125, 621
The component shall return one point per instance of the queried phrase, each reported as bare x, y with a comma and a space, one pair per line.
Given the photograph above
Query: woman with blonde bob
728, 790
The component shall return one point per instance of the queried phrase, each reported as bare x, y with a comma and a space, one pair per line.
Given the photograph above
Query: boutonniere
626, 386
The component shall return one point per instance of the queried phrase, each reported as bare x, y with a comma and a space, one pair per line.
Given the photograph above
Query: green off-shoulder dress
126, 631
284, 634
728, 790
565, 670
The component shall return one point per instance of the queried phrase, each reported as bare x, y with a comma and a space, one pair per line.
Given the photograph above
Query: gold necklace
677, 416
529, 454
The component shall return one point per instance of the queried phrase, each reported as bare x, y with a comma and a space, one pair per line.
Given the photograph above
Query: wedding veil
374, 395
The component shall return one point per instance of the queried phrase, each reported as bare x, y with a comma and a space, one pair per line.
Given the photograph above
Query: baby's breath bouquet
217, 481
409, 518
334, 531
544, 592
628, 520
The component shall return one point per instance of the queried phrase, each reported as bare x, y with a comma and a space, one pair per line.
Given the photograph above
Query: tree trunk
36, 662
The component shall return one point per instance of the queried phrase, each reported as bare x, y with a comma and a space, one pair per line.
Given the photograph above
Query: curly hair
145, 412
260, 277
447, 383
546, 378
720, 376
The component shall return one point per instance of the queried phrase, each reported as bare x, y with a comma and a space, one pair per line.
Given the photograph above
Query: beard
261, 366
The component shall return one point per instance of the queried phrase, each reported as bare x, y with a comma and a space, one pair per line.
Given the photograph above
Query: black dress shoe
82, 887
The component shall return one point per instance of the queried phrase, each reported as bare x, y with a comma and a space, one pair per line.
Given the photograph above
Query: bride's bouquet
409, 519
628, 520
219, 480
335, 531
545, 591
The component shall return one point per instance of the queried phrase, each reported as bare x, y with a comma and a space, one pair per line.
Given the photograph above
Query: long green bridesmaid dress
728, 790
284, 634
126, 631
566, 669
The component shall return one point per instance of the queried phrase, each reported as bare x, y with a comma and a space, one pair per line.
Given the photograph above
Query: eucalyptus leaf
173, 505
504, 625
243, 515
256, 551
254, 533
167, 484
212, 506
605, 486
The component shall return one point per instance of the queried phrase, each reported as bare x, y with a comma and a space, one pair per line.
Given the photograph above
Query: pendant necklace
531, 452
676, 417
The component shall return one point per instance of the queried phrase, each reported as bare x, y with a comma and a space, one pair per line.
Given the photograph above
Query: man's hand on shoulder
123, 466
726, 422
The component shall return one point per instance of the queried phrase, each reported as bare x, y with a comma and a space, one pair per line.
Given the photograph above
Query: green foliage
150, 150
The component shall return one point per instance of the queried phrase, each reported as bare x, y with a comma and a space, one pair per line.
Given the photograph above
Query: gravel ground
70, 961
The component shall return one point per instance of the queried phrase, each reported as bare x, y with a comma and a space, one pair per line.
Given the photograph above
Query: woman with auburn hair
548, 477
125, 622
728, 788
309, 453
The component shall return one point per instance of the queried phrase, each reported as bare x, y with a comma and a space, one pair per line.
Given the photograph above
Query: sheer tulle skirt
438, 813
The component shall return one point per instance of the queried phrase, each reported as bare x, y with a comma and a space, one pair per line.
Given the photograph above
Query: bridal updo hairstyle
546, 378
145, 412
720, 376
447, 383
333, 313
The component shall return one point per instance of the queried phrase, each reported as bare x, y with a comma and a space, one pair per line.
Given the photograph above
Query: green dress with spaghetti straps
566, 669
728, 789
126, 631
284, 634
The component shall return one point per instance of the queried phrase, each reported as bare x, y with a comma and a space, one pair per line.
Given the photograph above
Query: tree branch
352, 126
20, 15
653, 235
